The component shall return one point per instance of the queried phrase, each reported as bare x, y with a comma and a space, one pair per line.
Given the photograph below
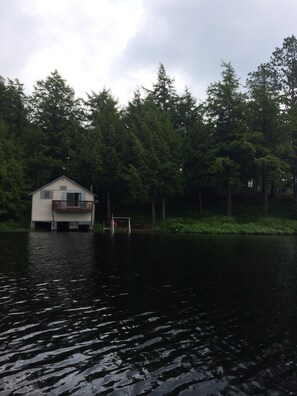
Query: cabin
62, 205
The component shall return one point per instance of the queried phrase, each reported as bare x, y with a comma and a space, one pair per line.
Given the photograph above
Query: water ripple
84, 315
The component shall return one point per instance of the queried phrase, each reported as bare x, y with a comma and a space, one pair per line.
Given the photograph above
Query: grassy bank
206, 225
225, 225
13, 226
183, 217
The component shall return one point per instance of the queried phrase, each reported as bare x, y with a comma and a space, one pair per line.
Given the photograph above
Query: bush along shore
183, 218
205, 225
14, 226
229, 225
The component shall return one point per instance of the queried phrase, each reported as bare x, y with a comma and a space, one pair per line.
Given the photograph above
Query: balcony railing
72, 206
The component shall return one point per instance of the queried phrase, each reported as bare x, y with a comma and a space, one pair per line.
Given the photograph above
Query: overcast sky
118, 44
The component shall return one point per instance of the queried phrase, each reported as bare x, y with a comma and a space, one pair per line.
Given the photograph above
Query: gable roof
62, 177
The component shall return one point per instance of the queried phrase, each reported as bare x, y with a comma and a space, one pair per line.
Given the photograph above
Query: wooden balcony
72, 206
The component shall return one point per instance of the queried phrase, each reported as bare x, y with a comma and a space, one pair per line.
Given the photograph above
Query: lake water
87, 314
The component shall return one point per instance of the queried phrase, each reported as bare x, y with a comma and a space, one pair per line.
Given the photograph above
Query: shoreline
219, 225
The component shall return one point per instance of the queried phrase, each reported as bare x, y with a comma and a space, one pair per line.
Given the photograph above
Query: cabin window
63, 188
46, 194
73, 199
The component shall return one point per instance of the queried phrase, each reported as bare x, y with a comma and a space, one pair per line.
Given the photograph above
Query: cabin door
73, 199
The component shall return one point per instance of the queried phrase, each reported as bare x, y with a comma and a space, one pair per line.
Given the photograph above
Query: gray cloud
190, 37
20, 36
193, 37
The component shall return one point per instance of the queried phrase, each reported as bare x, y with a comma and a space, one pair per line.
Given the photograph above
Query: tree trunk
229, 204
272, 190
153, 212
108, 207
266, 197
200, 202
294, 188
163, 209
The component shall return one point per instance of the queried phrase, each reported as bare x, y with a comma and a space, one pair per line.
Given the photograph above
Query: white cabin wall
42, 208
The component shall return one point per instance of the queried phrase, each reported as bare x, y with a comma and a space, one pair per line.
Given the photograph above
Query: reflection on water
85, 314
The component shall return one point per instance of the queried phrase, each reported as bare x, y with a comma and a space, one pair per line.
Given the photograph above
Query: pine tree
155, 159
55, 119
164, 95
284, 61
233, 147
264, 111
105, 121
196, 144
14, 186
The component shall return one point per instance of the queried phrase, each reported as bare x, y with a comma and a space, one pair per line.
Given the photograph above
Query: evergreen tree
196, 144
13, 187
264, 114
233, 148
198, 156
86, 158
55, 118
164, 97
284, 61
13, 182
106, 125
13, 107
188, 113
164, 94
153, 166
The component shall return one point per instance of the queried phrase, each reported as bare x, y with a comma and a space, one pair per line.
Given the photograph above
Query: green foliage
13, 185
284, 63
54, 114
227, 225
226, 171
153, 159
233, 148
162, 146
164, 94
13, 226
105, 129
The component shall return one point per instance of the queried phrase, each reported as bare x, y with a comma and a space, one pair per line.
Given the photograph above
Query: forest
163, 145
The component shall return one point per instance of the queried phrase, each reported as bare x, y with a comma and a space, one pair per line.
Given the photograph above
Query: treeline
163, 144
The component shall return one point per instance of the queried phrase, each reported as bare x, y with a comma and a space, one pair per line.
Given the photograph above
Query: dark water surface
84, 314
